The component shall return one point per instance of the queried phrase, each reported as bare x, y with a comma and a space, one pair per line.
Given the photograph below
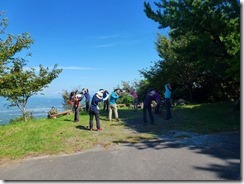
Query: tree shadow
224, 146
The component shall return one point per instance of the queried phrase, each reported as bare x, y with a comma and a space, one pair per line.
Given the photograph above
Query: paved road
215, 157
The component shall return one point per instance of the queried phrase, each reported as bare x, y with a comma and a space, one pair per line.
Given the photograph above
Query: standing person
135, 97
158, 100
167, 95
76, 98
71, 96
105, 103
150, 96
94, 109
88, 97
112, 104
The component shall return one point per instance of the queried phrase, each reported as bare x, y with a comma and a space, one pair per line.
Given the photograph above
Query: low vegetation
62, 136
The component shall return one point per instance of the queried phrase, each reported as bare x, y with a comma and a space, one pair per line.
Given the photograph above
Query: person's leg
110, 113
107, 106
167, 107
150, 114
170, 110
91, 120
136, 103
104, 105
76, 115
144, 115
157, 107
116, 112
87, 105
97, 116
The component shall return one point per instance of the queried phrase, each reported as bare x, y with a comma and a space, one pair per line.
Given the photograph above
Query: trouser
149, 109
113, 107
105, 105
167, 107
87, 105
76, 115
157, 107
135, 103
96, 114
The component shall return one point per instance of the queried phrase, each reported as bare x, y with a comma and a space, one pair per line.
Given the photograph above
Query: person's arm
106, 97
114, 95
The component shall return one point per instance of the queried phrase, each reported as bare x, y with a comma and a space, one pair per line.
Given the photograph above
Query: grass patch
63, 136
207, 118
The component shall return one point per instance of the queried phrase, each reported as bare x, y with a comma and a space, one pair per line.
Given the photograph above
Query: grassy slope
62, 135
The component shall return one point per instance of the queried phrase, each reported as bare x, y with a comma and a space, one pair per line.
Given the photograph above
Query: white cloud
104, 45
108, 36
78, 68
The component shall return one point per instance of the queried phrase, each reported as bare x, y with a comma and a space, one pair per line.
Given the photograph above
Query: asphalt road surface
192, 158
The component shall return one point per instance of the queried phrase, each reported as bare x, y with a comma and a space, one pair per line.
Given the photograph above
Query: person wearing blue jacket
112, 104
150, 96
167, 96
94, 109
105, 103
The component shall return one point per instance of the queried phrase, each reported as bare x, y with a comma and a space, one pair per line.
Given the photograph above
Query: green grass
62, 136
207, 118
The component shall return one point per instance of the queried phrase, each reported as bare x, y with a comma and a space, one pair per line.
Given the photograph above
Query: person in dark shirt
94, 109
88, 97
158, 100
105, 103
150, 96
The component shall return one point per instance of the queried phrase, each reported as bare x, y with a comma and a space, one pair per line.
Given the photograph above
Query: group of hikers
110, 104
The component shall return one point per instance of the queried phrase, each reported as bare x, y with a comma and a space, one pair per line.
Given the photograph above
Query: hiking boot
117, 119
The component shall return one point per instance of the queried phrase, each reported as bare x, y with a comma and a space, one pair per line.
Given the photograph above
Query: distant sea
38, 105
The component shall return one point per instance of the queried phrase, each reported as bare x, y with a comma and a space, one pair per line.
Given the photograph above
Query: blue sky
98, 43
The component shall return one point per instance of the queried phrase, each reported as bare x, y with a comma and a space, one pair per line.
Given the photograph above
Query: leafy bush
125, 99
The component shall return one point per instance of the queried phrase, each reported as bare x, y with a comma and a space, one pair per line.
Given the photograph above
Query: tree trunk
24, 115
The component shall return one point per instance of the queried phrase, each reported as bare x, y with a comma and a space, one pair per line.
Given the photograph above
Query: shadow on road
225, 146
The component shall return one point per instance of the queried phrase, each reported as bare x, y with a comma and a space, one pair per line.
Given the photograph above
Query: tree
11, 45
20, 83
66, 96
204, 40
17, 81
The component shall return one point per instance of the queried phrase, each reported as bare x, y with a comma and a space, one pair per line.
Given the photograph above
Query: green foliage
204, 40
18, 82
125, 99
66, 97
10, 44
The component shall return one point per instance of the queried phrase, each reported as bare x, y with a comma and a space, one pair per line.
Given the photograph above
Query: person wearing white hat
94, 109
